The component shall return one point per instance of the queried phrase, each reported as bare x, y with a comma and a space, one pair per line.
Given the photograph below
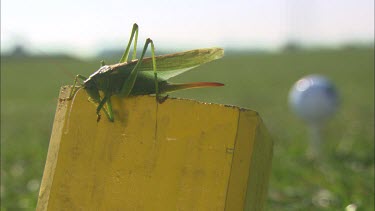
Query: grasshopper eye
93, 92
90, 84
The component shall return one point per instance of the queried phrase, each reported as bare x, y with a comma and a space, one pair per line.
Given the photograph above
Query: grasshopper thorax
95, 82
102, 70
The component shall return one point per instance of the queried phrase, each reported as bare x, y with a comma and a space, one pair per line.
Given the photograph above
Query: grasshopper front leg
100, 102
95, 98
109, 113
74, 89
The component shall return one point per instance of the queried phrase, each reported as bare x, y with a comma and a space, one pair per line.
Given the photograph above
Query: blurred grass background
259, 81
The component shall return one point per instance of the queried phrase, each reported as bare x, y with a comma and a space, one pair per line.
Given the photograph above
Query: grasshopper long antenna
60, 67
71, 107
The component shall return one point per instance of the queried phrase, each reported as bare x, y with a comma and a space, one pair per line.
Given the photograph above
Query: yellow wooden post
179, 155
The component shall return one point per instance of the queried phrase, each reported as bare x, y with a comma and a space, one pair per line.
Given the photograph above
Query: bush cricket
142, 76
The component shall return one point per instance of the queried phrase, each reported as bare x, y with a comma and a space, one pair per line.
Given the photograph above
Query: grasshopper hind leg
160, 99
129, 83
133, 35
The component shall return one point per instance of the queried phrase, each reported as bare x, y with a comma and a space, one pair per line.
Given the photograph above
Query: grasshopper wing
170, 65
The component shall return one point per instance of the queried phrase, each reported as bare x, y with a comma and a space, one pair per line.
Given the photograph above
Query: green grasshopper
143, 76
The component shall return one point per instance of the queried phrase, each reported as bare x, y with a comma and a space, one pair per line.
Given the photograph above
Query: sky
83, 27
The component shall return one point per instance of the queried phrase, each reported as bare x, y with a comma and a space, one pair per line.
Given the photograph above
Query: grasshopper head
92, 90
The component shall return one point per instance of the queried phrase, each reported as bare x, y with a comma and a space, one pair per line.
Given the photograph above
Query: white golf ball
314, 99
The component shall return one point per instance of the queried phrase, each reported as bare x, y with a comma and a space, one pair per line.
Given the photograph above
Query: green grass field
345, 175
